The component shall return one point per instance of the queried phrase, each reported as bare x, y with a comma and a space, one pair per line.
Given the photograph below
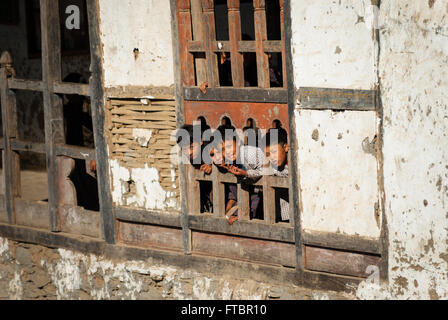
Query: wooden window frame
192, 40
52, 87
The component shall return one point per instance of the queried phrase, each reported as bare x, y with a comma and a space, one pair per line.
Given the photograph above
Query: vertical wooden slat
234, 37
268, 200
194, 191
208, 15
98, 119
198, 35
294, 176
180, 118
282, 28
54, 125
218, 195
261, 35
186, 58
11, 163
243, 204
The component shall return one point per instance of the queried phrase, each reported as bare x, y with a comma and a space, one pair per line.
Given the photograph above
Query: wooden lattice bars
197, 35
269, 184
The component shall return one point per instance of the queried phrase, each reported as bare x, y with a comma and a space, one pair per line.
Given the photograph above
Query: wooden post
186, 58
198, 35
243, 204
11, 161
235, 36
218, 195
294, 177
268, 201
208, 15
98, 107
54, 122
261, 35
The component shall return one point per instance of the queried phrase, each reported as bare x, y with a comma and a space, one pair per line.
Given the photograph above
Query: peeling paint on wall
338, 178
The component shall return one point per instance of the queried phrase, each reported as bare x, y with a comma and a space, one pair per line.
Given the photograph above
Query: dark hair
282, 137
220, 133
190, 129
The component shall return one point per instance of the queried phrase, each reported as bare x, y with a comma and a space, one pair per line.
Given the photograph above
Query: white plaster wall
143, 24
337, 177
414, 81
332, 46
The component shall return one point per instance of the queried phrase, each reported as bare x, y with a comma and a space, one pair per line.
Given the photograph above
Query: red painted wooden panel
238, 112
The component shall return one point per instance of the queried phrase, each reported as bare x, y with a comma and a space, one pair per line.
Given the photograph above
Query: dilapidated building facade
99, 87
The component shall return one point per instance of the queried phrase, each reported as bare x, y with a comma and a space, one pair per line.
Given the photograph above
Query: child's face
216, 155
229, 149
192, 151
277, 154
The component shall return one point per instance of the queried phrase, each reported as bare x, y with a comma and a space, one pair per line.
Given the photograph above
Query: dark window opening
221, 20
225, 69
206, 194
273, 20
275, 70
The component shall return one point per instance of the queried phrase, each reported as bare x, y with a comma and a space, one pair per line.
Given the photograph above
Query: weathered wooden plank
341, 241
261, 35
251, 229
75, 152
98, 115
11, 161
273, 95
140, 92
218, 194
243, 204
76, 220
53, 112
185, 34
171, 219
208, 19
20, 145
336, 99
235, 36
270, 252
268, 46
150, 236
24, 84
32, 214
339, 262
294, 179
268, 201
199, 38
71, 88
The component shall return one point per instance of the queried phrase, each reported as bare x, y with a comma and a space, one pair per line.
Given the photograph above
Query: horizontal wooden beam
273, 95
251, 229
240, 269
243, 46
71, 88
148, 217
341, 241
339, 262
22, 84
138, 92
75, 152
29, 146
337, 99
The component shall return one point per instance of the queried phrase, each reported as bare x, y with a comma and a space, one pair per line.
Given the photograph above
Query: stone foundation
35, 272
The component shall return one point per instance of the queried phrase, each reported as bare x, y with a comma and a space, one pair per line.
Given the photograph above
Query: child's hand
237, 171
207, 168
